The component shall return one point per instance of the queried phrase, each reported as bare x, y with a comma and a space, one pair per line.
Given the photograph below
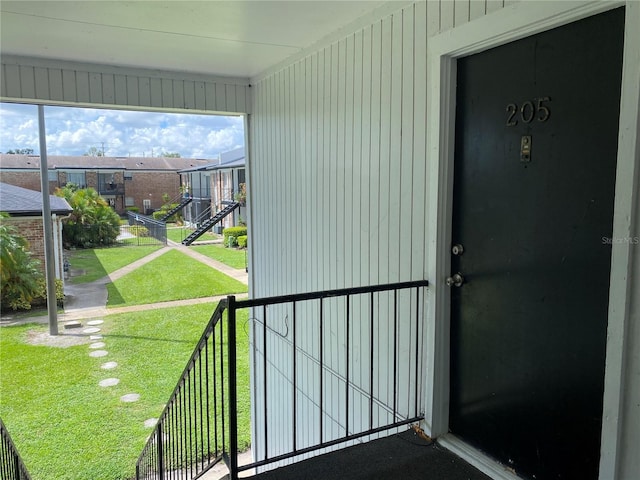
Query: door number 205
529, 111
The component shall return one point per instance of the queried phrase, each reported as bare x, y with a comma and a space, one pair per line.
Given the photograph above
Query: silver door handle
455, 280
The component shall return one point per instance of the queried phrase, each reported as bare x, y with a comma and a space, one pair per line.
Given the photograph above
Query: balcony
111, 188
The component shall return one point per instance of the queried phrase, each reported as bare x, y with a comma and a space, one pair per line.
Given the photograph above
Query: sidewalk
86, 301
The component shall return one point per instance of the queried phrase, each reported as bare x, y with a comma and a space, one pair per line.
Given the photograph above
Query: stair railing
11, 465
328, 368
192, 433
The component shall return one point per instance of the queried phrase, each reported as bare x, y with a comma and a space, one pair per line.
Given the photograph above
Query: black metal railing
143, 230
111, 188
11, 466
328, 368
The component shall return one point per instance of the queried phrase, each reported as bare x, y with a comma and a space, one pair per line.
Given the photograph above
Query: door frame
514, 22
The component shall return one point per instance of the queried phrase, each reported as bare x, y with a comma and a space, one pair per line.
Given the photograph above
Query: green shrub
20, 272
133, 209
230, 235
242, 241
139, 231
41, 298
92, 223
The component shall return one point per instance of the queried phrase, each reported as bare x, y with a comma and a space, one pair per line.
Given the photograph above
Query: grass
98, 262
172, 276
229, 256
66, 427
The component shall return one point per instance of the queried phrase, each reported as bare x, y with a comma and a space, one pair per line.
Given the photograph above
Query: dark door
535, 161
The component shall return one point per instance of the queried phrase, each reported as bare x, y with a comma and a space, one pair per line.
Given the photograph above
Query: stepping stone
96, 337
97, 345
93, 323
91, 330
109, 365
72, 324
109, 382
150, 423
98, 353
130, 397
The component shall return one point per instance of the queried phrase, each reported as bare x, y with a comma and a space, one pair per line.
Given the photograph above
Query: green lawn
98, 262
66, 427
229, 256
172, 276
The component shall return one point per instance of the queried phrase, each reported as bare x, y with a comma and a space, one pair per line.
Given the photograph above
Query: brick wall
29, 180
32, 229
142, 186
152, 186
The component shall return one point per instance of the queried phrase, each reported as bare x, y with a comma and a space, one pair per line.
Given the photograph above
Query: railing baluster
371, 360
160, 452
183, 436
321, 355
215, 395
417, 349
233, 404
189, 418
346, 383
395, 353
222, 409
206, 383
295, 386
264, 374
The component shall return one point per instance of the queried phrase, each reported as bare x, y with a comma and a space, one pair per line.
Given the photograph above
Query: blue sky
73, 131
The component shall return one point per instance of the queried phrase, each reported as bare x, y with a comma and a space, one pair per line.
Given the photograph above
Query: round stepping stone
93, 323
109, 365
150, 423
96, 337
130, 397
98, 353
97, 345
91, 330
109, 382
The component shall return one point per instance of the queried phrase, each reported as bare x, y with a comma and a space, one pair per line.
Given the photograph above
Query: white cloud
73, 131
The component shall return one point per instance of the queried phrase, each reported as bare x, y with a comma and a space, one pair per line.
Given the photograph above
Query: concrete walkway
86, 301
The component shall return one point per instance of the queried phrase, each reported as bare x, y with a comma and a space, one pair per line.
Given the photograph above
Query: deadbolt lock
457, 249
455, 280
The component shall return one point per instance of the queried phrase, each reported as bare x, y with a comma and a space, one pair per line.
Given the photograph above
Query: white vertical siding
31, 80
338, 146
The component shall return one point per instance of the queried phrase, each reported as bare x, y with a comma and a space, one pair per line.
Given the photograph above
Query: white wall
31, 80
338, 196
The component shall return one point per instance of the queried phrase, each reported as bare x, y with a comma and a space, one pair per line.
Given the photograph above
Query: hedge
230, 235
242, 241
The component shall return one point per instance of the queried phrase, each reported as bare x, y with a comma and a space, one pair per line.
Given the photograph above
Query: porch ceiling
222, 38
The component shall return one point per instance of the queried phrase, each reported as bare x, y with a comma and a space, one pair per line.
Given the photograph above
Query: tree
92, 222
94, 152
20, 277
20, 151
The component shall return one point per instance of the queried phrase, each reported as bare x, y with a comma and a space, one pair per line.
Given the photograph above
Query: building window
128, 175
53, 175
77, 178
128, 202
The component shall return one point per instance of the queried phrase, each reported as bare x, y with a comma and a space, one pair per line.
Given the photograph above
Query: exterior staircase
176, 209
208, 224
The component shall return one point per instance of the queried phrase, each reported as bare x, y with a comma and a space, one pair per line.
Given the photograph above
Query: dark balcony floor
404, 456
